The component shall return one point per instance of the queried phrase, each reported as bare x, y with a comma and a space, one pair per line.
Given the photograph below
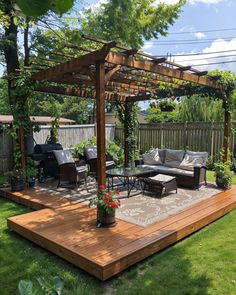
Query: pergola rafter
106, 74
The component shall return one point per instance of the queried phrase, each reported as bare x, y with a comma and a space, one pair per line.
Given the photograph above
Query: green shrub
223, 175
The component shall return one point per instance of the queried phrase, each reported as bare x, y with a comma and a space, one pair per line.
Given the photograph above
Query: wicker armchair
91, 159
69, 170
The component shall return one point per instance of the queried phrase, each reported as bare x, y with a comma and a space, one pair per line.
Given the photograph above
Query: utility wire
215, 63
202, 31
190, 40
187, 43
207, 58
198, 53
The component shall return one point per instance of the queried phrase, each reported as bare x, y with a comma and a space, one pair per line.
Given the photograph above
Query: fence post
161, 129
212, 138
185, 135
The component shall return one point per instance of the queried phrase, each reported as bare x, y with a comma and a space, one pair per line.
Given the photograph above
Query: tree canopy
130, 22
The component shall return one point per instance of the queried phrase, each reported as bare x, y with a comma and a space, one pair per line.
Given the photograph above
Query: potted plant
31, 174
167, 106
106, 203
223, 175
16, 179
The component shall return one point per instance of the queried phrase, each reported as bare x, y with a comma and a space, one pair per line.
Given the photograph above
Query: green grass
3, 179
203, 264
211, 177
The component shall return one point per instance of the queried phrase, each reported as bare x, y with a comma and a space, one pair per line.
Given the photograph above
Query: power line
215, 63
190, 40
211, 57
165, 43
203, 31
198, 53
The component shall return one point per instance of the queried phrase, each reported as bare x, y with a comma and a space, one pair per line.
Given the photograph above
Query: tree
37, 8
200, 109
130, 22
11, 20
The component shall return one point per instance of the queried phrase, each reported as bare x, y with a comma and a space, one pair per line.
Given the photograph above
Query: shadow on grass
165, 273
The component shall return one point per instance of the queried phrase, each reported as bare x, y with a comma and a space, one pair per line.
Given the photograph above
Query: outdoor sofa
188, 167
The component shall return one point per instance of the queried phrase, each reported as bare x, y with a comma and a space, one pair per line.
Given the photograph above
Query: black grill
48, 164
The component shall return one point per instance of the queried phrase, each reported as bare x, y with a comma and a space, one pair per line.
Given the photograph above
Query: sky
204, 26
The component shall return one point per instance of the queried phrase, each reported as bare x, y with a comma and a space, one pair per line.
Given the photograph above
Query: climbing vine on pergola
114, 73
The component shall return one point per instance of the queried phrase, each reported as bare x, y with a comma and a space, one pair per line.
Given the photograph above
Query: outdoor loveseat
188, 167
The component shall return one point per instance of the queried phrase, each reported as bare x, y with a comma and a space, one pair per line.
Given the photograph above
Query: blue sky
197, 17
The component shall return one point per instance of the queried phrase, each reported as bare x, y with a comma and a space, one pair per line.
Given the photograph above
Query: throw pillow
152, 157
173, 158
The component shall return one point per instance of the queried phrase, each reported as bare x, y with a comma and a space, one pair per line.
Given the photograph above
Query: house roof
7, 119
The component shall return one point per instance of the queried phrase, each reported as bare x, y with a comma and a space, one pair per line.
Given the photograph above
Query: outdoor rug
146, 209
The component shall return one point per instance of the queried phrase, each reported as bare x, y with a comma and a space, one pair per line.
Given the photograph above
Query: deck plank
68, 229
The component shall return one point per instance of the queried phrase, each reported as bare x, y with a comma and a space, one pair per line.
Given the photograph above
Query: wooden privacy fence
6, 151
68, 136
198, 136
73, 134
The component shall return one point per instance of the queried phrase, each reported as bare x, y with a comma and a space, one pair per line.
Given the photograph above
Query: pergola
117, 73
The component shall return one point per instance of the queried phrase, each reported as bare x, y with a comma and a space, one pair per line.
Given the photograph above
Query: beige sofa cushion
152, 157
173, 158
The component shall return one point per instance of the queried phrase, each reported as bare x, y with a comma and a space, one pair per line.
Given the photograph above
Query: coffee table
128, 176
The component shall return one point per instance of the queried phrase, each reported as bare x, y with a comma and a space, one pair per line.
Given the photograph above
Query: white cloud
218, 45
200, 35
147, 45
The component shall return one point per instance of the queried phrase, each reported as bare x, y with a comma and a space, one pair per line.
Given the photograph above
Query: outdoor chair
91, 159
69, 170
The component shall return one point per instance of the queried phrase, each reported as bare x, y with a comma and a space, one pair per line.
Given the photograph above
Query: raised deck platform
68, 229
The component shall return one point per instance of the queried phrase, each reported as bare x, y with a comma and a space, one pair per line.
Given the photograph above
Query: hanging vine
127, 114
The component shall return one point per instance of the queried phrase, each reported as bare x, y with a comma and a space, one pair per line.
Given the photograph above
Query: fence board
6, 151
73, 134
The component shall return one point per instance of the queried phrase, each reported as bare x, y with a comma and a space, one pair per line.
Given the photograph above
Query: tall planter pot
105, 219
17, 186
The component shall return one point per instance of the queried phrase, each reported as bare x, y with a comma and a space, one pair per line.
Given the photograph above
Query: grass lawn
3, 180
203, 264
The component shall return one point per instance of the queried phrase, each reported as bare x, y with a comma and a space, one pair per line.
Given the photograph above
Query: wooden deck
67, 229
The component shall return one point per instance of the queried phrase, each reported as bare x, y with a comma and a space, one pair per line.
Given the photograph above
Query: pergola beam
75, 64
79, 92
151, 66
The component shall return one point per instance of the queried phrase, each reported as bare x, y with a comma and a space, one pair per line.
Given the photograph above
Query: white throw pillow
152, 158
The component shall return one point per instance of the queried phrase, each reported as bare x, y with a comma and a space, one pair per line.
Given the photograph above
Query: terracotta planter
105, 219
17, 186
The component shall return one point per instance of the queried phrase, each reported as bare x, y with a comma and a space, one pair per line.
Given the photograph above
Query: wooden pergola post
126, 133
101, 127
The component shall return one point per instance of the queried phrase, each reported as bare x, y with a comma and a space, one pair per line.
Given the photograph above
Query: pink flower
101, 186
108, 195
117, 192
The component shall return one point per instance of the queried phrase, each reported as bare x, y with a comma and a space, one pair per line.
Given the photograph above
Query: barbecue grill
44, 156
